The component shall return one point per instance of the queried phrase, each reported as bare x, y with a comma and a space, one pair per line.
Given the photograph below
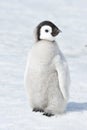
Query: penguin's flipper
63, 74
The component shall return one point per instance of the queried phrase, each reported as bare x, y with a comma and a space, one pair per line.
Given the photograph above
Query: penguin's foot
38, 110
48, 114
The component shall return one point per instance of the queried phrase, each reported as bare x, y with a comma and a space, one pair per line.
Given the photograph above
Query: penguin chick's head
46, 30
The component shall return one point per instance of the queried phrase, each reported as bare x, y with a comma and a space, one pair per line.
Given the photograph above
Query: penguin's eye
46, 30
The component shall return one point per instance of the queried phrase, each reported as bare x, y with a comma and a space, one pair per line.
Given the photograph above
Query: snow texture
18, 18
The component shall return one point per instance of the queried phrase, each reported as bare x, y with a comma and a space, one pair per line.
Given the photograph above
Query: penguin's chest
41, 62
41, 68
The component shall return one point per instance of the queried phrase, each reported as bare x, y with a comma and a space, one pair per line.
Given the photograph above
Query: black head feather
55, 29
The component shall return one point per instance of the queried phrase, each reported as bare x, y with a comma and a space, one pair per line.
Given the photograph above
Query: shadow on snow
76, 107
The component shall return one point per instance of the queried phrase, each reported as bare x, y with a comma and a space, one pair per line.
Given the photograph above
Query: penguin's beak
56, 31
60, 31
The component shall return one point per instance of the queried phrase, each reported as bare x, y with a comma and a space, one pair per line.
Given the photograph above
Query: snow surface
18, 18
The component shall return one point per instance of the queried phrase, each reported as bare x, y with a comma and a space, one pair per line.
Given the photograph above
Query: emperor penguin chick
47, 75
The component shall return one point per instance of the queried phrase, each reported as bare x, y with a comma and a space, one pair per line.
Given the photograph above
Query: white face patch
45, 33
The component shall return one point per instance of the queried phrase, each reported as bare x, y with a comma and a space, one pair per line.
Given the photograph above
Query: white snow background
18, 19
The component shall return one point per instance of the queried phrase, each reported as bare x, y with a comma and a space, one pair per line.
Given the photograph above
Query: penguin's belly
40, 75
39, 83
